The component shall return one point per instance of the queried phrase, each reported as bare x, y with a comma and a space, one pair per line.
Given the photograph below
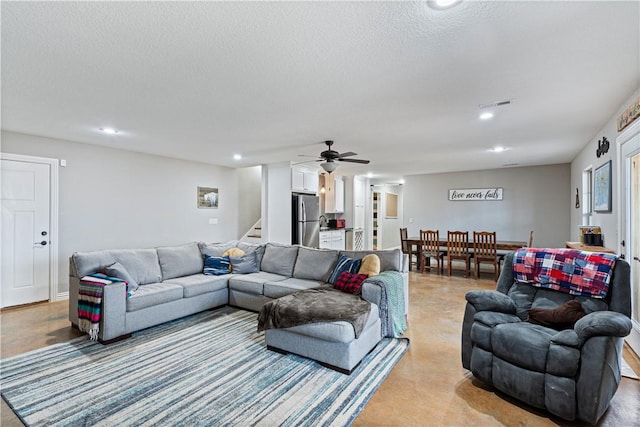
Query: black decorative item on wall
577, 198
603, 146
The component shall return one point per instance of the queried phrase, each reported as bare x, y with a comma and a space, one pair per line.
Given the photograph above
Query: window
587, 196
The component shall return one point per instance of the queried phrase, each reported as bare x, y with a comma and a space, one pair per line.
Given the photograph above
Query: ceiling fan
330, 158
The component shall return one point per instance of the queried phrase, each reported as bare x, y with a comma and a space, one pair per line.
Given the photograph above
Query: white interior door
630, 220
26, 245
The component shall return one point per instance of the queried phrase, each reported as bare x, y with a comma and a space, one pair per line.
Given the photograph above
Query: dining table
502, 245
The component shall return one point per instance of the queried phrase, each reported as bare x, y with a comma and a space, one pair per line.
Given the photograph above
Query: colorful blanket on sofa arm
90, 302
566, 270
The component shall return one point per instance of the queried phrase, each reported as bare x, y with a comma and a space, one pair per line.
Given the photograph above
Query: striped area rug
208, 369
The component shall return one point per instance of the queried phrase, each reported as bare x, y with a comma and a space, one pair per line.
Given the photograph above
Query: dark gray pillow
244, 264
118, 271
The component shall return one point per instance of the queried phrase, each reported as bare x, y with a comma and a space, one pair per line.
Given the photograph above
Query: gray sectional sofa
172, 283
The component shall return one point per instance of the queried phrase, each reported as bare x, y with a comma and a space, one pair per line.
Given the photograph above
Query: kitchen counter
333, 229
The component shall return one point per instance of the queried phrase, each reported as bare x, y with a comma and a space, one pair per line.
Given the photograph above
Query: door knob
636, 258
43, 243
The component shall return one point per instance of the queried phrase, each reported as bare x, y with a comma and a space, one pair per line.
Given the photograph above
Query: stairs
254, 235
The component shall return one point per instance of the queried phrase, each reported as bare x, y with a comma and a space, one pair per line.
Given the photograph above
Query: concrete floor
428, 387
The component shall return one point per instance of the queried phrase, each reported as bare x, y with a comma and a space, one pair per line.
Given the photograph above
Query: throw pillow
233, 252
244, 264
562, 317
350, 282
118, 271
370, 265
351, 265
216, 265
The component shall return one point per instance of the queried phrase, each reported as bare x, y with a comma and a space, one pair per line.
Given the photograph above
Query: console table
587, 248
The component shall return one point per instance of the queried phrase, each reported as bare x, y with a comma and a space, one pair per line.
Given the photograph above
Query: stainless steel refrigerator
305, 216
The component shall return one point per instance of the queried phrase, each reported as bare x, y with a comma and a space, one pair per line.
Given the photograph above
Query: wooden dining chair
531, 238
406, 247
485, 250
430, 248
458, 248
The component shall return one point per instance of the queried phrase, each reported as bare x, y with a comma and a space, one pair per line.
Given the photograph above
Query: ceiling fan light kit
330, 156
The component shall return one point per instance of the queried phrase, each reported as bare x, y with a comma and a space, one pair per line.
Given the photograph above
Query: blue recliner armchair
572, 373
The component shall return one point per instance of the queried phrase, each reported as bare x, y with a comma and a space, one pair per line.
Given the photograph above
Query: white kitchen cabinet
304, 181
359, 199
334, 194
332, 239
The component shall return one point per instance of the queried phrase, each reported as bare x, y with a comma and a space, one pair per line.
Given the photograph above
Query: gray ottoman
333, 344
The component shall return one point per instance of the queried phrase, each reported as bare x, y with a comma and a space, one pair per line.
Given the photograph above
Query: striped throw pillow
216, 265
350, 265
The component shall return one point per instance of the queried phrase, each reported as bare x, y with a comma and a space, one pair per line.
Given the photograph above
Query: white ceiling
397, 82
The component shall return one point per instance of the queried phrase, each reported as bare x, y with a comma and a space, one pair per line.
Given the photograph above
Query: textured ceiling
397, 82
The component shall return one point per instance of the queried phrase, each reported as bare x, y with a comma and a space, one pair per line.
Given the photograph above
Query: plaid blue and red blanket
90, 302
565, 270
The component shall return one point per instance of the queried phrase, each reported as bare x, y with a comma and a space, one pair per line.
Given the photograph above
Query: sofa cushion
350, 265
314, 264
252, 247
289, 286
244, 264
532, 342
279, 259
389, 259
198, 284
339, 331
253, 283
178, 261
142, 264
117, 270
154, 294
216, 249
216, 265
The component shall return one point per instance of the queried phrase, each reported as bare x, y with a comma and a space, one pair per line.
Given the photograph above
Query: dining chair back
485, 250
430, 248
458, 248
405, 246
531, 238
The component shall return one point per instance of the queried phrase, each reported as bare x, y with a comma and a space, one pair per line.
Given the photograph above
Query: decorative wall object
577, 198
629, 115
603, 147
475, 194
602, 188
207, 198
391, 205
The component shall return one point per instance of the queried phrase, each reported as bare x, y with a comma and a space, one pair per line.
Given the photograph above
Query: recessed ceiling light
110, 131
498, 149
237, 157
442, 4
402, 181
486, 115
369, 175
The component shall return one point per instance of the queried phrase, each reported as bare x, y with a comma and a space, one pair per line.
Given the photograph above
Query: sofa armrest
603, 323
491, 301
114, 311
371, 292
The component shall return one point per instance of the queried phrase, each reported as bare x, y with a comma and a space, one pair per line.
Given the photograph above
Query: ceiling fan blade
308, 161
348, 154
306, 155
364, 162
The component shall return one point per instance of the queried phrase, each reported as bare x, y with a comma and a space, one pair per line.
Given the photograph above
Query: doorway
629, 161
376, 243
29, 229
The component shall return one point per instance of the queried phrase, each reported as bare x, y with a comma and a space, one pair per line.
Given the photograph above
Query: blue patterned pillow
350, 265
216, 265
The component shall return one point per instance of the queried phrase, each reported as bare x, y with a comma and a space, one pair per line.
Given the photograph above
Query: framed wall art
602, 188
207, 198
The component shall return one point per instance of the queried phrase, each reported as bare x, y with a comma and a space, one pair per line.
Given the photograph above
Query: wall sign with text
475, 194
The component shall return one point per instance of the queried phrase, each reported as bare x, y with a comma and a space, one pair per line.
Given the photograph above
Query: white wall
535, 198
249, 201
608, 222
112, 198
276, 203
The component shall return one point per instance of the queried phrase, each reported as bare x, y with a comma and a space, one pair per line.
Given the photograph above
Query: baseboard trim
62, 296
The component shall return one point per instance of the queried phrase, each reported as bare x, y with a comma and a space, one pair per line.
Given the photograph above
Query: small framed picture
207, 198
602, 188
